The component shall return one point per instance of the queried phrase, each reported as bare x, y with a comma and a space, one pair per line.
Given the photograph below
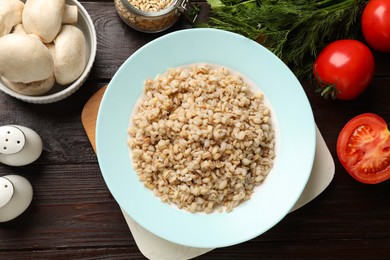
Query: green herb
295, 30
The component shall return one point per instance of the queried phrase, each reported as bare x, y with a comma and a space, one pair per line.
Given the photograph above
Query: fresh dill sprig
295, 30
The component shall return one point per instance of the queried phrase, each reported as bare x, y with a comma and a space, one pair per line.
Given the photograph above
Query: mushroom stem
70, 14
19, 29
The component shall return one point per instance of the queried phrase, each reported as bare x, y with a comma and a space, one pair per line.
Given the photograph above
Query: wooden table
73, 215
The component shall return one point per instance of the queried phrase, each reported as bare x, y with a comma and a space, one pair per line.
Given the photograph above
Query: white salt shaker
15, 196
19, 145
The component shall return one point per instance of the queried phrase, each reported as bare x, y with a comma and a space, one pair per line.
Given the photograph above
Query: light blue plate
292, 116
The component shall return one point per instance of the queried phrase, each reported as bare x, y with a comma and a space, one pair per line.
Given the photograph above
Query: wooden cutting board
89, 115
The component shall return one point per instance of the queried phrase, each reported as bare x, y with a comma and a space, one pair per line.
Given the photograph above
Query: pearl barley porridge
201, 139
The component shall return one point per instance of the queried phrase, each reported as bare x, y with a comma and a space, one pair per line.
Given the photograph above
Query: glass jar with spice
152, 15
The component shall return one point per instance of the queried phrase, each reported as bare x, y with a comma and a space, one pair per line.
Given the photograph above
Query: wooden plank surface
73, 215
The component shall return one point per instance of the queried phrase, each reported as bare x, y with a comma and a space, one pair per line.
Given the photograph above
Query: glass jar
150, 21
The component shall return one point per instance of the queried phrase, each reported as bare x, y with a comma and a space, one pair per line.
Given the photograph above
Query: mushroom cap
43, 18
24, 59
10, 15
35, 88
70, 54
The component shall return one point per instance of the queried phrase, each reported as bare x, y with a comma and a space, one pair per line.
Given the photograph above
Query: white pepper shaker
19, 145
15, 196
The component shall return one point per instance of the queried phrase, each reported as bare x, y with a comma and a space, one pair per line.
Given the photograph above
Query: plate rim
106, 176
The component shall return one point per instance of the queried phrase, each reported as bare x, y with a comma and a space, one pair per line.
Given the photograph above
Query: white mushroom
24, 59
50, 46
70, 15
19, 29
43, 18
10, 15
69, 55
35, 88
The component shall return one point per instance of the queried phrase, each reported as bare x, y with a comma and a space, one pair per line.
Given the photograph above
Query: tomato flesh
363, 148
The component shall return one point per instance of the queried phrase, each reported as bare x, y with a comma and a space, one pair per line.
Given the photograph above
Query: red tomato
344, 69
363, 148
376, 24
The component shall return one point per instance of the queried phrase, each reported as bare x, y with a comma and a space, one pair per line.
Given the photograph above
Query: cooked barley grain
201, 139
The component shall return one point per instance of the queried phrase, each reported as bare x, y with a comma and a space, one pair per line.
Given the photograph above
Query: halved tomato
363, 148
